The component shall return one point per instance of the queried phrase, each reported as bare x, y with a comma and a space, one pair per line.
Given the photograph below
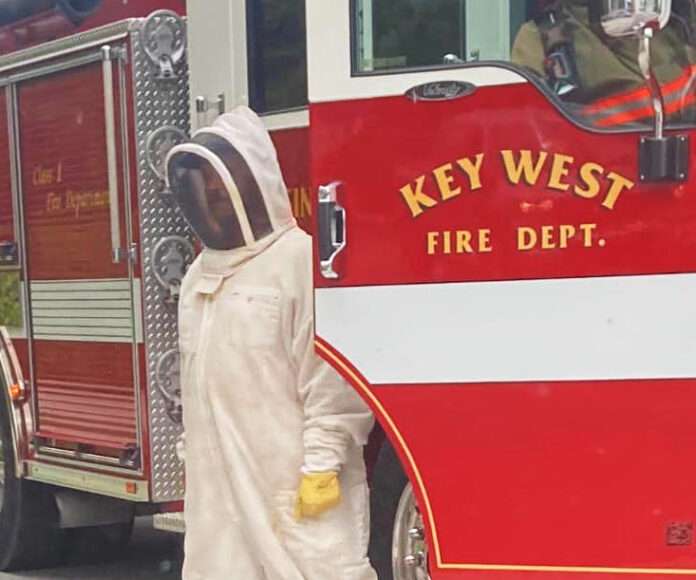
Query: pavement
150, 554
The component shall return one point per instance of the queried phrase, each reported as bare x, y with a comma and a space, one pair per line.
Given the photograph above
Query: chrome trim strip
281, 121
51, 68
16, 210
100, 483
135, 293
63, 46
108, 55
18, 197
66, 458
156, 104
170, 522
52, 453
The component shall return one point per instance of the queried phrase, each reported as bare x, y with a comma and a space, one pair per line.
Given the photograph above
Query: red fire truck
507, 286
92, 252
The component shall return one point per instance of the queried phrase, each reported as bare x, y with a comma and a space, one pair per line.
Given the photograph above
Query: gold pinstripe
361, 385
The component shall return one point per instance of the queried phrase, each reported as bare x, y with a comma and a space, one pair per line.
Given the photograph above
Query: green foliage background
10, 307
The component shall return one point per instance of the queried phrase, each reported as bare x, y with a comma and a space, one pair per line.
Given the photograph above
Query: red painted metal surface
589, 478
648, 231
53, 24
292, 146
64, 176
85, 393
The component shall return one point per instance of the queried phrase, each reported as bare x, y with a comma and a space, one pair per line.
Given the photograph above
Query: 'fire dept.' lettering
75, 202
457, 242
523, 167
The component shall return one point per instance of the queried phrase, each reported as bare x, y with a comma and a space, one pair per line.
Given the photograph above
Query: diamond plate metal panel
158, 103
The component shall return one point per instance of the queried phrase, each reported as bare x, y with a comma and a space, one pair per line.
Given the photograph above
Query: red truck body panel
520, 478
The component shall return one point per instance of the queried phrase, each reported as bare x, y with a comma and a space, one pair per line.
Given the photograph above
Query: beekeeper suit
275, 480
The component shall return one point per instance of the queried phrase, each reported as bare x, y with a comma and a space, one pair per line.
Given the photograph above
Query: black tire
387, 485
29, 534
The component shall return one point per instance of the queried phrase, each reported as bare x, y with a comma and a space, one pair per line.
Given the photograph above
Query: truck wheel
29, 534
398, 550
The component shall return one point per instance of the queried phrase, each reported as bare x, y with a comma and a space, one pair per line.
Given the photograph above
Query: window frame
529, 76
250, 7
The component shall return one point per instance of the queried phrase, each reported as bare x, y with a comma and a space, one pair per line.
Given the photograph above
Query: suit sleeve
335, 417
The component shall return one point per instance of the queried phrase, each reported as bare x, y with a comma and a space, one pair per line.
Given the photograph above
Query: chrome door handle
332, 228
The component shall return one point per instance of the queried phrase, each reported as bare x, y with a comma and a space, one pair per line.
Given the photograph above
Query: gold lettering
525, 165
472, 170
78, 201
589, 174
42, 176
432, 242
464, 242
415, 198
485, 241
567, 233
559, 170
445, 179
547, 242
447, 242
588, 229
294, 200
526, 238
617, 187
305, 202
54, 202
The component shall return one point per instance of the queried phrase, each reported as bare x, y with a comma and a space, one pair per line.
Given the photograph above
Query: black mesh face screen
254, 204
205, 202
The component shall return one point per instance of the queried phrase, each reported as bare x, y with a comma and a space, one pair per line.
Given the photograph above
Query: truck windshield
597, 78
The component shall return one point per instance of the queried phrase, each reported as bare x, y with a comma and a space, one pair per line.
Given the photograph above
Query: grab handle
118, 254
332, 228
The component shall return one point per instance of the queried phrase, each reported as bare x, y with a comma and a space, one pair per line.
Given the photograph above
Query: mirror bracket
664, 159
660, 158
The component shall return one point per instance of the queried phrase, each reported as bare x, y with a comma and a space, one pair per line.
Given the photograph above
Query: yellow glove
318, 492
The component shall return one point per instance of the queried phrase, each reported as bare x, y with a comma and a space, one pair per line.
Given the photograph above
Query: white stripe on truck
613, 328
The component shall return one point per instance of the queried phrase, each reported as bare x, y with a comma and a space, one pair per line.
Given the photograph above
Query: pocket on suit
253, 316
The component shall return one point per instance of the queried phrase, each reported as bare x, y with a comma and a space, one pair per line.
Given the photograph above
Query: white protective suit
260, 406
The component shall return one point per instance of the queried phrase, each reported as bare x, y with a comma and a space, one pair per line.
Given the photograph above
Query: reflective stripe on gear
636, 105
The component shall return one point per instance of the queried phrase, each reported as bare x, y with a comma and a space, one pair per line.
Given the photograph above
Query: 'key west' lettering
560, 173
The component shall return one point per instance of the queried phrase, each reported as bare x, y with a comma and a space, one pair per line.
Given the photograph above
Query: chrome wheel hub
409, 547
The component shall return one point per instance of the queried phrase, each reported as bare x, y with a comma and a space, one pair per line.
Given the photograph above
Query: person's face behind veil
205, 202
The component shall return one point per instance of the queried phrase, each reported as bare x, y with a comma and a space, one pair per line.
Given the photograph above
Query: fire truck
92, 253
506, 285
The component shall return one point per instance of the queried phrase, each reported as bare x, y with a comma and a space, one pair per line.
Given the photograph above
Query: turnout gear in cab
273, 433
609, 88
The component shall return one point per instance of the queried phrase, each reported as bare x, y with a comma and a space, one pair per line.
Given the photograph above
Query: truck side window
411, 34
277, 50
596, 77
408, 33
